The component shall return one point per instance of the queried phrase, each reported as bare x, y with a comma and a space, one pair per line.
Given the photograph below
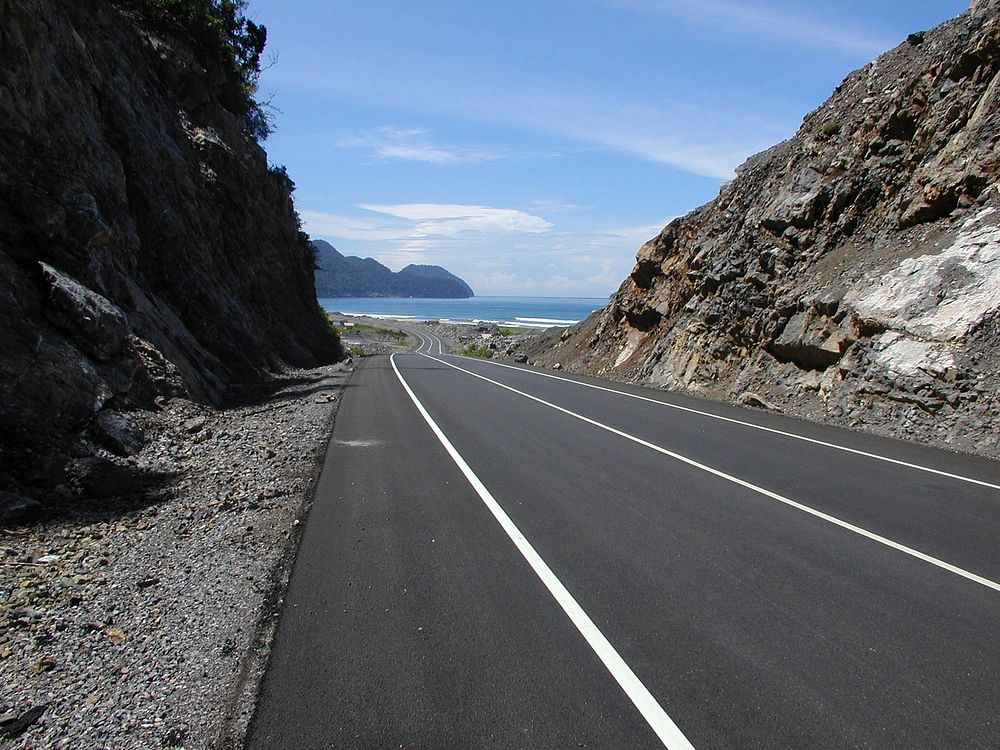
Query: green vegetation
357, 351
829, 129
383, 333
220, 33
512, 331
334, 330
477, 350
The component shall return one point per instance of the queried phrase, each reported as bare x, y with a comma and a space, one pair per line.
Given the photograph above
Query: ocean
525, 312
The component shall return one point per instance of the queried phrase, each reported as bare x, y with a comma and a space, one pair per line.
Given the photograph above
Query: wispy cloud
776, 23
446, 220
340, 226
414, 144
551, 205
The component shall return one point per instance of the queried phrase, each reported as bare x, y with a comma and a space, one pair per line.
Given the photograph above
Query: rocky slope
849, 274
338, 275
146, 249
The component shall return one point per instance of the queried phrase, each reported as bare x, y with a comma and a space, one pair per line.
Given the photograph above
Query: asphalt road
588, 564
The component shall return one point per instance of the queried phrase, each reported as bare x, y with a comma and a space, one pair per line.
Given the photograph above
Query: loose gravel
145, 622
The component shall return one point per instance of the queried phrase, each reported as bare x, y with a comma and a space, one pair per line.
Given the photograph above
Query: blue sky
531, 147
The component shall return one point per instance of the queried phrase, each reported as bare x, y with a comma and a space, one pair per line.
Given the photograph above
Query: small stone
115, 635
194, 425
45, 664
28, 613
753, 399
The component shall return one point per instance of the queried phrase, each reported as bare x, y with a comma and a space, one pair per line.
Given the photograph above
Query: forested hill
348, 276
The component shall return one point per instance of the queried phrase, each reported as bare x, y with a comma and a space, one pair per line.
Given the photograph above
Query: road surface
515, 558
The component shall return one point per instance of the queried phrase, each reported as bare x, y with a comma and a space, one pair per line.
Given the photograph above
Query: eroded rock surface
146, 248
849, 274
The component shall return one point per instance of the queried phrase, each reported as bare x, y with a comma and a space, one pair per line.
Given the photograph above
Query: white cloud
413, 144
774, 23
319, 223
497, 250
695, 138
441, 219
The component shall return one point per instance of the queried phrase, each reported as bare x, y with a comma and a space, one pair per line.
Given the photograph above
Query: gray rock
100, 478
194, 425
14, 725
15, 509
812, 341
101, 327
118, 432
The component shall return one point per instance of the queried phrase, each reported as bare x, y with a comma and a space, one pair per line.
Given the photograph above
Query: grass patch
383, 333
477, 350
829, 129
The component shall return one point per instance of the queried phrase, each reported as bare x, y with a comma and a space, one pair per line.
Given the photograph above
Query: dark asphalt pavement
866, 617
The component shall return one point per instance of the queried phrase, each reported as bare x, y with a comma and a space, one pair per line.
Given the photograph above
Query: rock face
145, 246
349, 276
849, 274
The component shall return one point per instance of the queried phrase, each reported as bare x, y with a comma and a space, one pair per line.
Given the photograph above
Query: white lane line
772, 430
426, 340
668, 732
743, 483
422, 339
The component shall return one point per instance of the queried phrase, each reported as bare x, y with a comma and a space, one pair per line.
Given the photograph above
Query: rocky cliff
146, 248
850, 274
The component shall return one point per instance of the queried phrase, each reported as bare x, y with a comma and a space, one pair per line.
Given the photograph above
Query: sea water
525, 312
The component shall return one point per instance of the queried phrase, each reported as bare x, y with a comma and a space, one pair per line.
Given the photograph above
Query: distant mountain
341, 275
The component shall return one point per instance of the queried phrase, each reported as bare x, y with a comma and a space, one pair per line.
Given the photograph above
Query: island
338, 275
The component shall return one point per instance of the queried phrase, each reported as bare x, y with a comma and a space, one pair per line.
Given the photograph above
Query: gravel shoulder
145, 622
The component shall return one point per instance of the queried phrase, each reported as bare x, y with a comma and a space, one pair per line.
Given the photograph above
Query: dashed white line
664, 727
744, 423
741, 482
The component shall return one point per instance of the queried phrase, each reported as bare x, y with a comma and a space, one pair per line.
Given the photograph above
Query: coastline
538, 313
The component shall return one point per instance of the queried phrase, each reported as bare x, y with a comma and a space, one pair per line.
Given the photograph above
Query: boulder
99, 478
15, 509
118, 432
812, 341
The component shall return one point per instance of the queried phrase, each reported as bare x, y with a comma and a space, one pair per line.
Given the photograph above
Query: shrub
477, 350
220, 33
829, 129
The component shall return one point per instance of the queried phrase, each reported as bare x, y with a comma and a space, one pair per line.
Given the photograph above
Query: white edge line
733, 420
664, 727
743, 483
